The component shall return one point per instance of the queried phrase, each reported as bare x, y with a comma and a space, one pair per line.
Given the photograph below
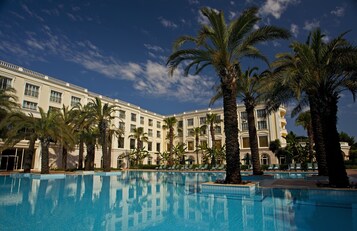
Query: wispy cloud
310, 25
276, 7
193, 2
149, 77
167, 23
201, 19
294, 29
339, 11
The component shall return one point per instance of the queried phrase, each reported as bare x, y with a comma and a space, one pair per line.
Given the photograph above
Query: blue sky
119, 48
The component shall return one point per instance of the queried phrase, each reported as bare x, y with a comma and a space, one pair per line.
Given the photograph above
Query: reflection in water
166, 201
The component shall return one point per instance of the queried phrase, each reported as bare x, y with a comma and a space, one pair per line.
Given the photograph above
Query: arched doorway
265, 159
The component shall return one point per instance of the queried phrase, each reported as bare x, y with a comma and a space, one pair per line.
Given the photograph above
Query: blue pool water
165, 201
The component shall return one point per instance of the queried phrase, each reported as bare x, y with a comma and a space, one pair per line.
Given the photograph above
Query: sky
119, 48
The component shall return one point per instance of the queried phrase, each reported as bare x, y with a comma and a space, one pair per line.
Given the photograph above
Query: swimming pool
165, 201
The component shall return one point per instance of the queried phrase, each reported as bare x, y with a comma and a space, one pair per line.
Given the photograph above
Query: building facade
36, 90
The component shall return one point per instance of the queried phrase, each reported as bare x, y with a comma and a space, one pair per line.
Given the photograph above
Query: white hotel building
35, 90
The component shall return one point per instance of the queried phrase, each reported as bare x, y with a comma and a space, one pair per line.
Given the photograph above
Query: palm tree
197, 131
104, 114
8, 101
212, 120
304, 120
322, 70
113, 132
223, 46
49, 128
140, 136
170, 123
67, 117
250, 87
17, 127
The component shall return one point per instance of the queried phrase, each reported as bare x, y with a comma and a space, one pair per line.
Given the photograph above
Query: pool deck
311, 183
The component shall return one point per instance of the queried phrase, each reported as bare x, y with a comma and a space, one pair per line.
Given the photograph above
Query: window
203, 132
5, 82
218, 143
150, 132
244, 115
244, 126
119, 165
121, 142
263, 141
56, 97
202, 120
190, 145
158, 134
218, 130
29, 105
121, 114
261, 113
190, 122
218, 118
31, 90
158, 124
151, 122
203, 143
262, 124
246, 142
190, 132
132, 143
180, 124
133, 117
132, 127
149, 146
122, 126
75, 101
158, 147
141, 120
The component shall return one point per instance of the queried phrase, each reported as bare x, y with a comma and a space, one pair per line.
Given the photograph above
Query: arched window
265, 159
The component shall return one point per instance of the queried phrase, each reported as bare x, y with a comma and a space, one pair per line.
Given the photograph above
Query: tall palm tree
322, 70
170, 123
83, 121
197, 132
304, 120
223, 46
212, 120
140, 136
250, 89
68, 118
104, 114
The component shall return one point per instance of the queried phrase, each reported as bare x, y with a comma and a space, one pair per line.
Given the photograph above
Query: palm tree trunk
89, 164
231, 129
310, 136
318, 136
171, 134
80, 154
64, 158
45, 167
29, 156
336, 167
197, 140
106, 157
213, 138
253, 140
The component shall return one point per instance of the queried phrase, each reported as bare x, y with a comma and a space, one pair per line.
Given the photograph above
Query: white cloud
294, 29
193, 2
310, 25
339, 11
276, 7
232, 15
154, 48
167, 23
